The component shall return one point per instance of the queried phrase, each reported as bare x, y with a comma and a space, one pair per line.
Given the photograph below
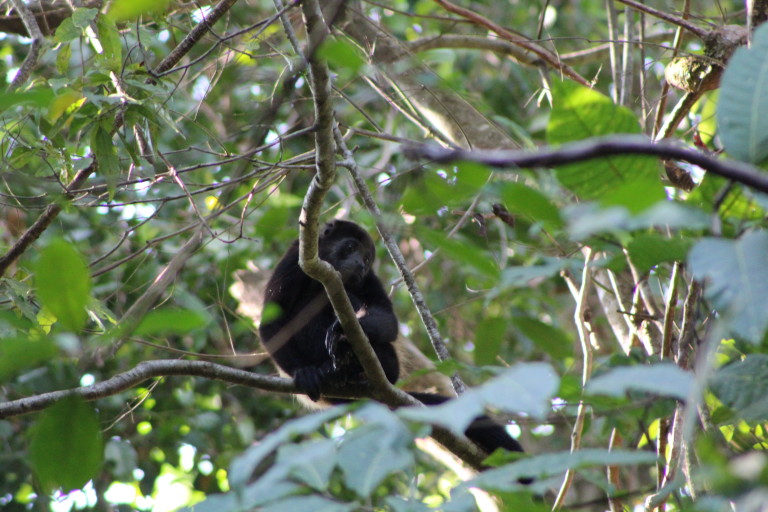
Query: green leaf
551, 464
106, 156
370, 453
489, 336
109, 37
743, 387
737, 271
552, 340
311, 503
127, 10
63, 283
171, 321
665, 379
341, 55
464, 252
67, 31
742, 112
66, 449
522, 199
580, 113
445, 187
311, 462
35, 97
523, 388
18, 354
649, 249
82, 17
242, 467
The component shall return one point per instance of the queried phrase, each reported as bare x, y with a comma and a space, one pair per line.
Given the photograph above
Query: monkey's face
352, 259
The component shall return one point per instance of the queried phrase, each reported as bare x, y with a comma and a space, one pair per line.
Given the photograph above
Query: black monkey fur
304, 337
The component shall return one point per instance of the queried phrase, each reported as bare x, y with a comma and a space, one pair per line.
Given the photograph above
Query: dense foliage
611, 307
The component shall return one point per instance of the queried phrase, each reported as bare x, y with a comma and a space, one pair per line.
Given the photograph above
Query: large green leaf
737, 271
579, 113
66, 448
742, 112
370, 453
63, 283
664, 379
647, 250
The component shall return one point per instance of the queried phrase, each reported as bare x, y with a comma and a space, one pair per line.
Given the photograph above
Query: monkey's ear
328, 229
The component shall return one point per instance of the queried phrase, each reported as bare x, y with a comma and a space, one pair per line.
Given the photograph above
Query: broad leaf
64, 283
665, 379
66, 448
743, 387
742, 112
737, 271
579, 113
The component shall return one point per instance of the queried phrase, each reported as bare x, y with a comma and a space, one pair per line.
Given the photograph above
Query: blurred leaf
82, 17
63, 283
665, 379
370, 453
737, 272
243, 466
342, 56
171, 321
579, 113
127, 10
522, 199
525, 388
106, 155
742, 111
469, 254
743, 387
647, 250
308, 504
109, 37
552, 340
66, 449
36, 97
551, 464
17, 354
311, 462
489, 336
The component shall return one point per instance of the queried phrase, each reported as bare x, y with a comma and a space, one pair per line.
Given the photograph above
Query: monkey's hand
308, 380
333, 336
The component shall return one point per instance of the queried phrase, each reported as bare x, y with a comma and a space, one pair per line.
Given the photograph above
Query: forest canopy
567, 204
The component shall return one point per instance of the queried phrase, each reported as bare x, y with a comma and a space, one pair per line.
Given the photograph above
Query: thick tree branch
739, 172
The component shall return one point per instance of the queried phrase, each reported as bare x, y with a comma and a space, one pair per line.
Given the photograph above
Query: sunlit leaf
64, 283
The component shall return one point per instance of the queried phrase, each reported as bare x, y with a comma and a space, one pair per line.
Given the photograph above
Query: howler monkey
304, 337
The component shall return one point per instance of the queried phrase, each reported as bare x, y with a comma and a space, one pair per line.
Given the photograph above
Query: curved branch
739, 172
147, 370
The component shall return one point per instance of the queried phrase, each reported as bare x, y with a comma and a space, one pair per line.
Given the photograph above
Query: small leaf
64, 283
170, 321
738, 280
742, 111
35, 97
665, 379
66, 449
82, 17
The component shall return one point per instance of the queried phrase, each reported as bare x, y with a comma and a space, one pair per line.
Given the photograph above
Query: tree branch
739, 172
